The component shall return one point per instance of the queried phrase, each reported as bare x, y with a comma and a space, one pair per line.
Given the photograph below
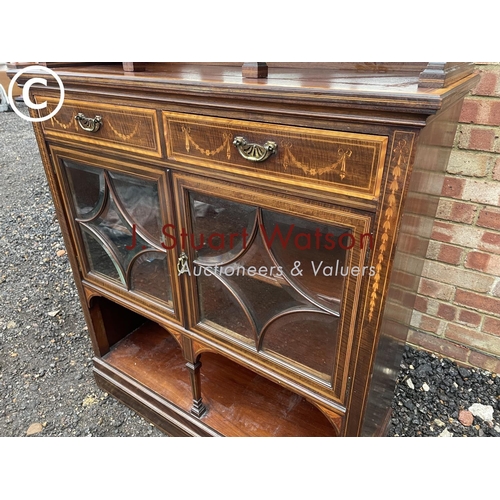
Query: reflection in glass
219, 306
100, 259
87, 188
119, 216
318, 248
221, 228
255, 294
304, 337
265, 293
113, 226
139, 199
150, 275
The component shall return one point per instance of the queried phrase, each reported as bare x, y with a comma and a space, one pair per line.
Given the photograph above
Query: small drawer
119, 127
346, 163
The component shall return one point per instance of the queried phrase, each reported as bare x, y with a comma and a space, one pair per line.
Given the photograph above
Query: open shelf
151, 356
239, 402
246, 404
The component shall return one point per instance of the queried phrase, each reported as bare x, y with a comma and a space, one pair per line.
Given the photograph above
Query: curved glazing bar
310, 256
149, 273
223, 230
137, 200
102, 257
307, 337
88, 189
223, 308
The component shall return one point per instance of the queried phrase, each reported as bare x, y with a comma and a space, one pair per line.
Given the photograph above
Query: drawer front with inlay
324, 160
120, 127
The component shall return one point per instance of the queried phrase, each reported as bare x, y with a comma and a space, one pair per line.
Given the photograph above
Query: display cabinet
247, 240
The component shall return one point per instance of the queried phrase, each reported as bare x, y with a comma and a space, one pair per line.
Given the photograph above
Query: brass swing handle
254, 152
89, 124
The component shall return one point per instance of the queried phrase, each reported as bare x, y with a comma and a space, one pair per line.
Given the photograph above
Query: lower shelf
146, 370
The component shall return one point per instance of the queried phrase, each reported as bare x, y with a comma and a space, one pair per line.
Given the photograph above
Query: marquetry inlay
400, 157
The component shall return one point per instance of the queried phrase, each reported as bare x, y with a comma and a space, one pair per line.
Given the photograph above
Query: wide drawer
126, 128
325, 160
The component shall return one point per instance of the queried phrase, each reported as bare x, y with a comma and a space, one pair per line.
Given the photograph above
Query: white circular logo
26, 92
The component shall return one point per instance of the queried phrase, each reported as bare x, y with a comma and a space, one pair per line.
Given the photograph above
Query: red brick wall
457, 312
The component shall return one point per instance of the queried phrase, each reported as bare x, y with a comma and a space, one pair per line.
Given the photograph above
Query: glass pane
220, 307
87, 188
280, 286
221, 228
122, 238
99, 259
317, 252
295, 318
308, 338
150, 274
257, 281
118, 214
139, 199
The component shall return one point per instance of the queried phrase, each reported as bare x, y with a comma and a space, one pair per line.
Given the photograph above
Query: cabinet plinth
247, 248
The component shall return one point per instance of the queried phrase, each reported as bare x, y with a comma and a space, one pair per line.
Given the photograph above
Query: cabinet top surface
362, 84
362, 78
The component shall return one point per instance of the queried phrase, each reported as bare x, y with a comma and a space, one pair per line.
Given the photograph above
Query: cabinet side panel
433, 151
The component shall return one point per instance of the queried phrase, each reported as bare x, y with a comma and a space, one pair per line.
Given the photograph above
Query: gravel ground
46, 382
433, 397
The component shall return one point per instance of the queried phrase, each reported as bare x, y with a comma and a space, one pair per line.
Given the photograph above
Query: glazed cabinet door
275, 276
117, 211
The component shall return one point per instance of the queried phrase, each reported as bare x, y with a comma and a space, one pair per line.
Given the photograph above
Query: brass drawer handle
89, 124
254, 152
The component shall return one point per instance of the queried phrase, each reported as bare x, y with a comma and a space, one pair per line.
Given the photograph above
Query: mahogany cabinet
247, 243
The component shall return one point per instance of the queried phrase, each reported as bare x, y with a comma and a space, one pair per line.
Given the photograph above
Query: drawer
126, 128
346, 163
